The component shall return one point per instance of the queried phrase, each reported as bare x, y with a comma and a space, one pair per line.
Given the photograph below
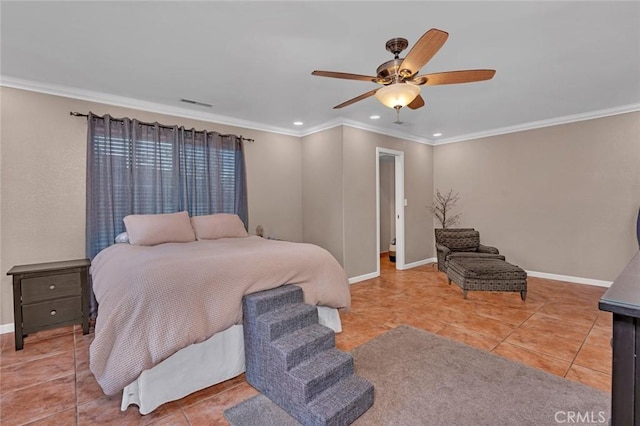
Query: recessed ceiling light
437, 134
298, 123
374, 117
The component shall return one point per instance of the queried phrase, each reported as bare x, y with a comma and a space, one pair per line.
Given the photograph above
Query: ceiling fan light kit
399, 76
397, 94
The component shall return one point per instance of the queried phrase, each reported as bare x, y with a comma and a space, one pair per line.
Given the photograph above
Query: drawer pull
52, 287
53, 312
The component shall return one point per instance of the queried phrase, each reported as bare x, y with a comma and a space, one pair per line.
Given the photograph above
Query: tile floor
558, 329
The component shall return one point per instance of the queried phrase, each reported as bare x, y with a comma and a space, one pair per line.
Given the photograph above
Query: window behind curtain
141, 168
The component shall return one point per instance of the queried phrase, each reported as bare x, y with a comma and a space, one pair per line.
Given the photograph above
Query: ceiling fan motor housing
389, 69
389, 72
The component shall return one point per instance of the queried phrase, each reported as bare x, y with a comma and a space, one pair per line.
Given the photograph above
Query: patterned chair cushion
460, 240
486, 269
486, 275
459, 254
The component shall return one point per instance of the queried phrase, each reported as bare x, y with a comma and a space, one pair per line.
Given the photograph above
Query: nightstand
50, 295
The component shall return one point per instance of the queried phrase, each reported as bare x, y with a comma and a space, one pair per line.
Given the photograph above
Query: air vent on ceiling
192, 102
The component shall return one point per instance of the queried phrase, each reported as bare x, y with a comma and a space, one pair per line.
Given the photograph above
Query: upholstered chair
461, 242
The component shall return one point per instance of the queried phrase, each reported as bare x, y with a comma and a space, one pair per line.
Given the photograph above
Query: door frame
399, 205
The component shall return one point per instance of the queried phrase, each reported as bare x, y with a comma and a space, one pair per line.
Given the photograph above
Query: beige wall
42, 213
322, 203
560, 200
339, 196
274, 184
359, 157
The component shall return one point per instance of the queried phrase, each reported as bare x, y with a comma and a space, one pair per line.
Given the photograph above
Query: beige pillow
220, 225
152, 229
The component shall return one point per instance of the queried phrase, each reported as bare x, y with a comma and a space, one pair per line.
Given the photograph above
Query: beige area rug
424, 379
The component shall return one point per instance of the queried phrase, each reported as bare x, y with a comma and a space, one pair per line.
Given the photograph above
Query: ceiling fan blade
423, 51
344, 75
418, 102
356, 99
454, 77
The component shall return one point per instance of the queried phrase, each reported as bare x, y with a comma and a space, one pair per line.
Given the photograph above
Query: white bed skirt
192, 369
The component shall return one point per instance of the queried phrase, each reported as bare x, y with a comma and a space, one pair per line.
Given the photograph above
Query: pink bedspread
154, 301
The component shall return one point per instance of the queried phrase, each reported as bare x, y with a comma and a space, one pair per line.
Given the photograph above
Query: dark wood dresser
623, 300
50, 295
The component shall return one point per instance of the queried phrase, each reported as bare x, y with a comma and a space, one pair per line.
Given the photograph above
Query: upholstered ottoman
487, 275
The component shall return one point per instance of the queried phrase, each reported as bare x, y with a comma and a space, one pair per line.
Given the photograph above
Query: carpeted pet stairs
293, 361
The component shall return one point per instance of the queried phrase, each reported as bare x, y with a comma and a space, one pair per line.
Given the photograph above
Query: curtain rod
79, 114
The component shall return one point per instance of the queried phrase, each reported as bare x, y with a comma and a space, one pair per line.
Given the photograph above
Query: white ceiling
555, 61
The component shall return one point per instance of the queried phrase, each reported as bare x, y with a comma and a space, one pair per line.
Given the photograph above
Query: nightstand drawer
50, 287
37, 315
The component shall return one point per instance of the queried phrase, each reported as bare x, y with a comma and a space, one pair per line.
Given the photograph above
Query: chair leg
449, 280
523, 294
464, 294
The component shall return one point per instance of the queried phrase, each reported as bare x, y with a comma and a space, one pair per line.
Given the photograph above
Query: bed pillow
220, 225
152, 229
122, 238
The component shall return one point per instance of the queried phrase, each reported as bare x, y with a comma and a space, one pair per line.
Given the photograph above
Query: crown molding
567, 119
336, 122
363, 126
386, 132
121, 101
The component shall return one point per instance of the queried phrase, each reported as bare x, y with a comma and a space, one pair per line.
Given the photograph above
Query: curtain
146, 168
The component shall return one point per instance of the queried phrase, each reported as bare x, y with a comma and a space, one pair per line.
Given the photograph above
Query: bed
170, 314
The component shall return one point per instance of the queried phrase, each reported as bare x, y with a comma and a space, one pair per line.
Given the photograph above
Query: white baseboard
364, 277
420, 263
570, 279
6, 328
556, 277
370, 275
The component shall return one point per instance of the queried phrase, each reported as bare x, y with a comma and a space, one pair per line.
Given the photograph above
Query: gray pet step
256, 344
268, 300
342, 403
292, 360
297, 347
320, 372
287, 319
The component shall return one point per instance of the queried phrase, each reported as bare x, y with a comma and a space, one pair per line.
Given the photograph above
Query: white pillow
219, 225
152, 229
122, 237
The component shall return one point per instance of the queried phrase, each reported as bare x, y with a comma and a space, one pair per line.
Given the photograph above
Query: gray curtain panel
146, 168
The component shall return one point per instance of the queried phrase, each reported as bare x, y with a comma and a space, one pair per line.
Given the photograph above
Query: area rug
424, 379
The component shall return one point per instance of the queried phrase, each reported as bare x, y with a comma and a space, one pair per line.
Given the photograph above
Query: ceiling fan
399, 77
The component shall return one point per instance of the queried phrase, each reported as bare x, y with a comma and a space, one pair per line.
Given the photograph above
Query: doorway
390, 204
